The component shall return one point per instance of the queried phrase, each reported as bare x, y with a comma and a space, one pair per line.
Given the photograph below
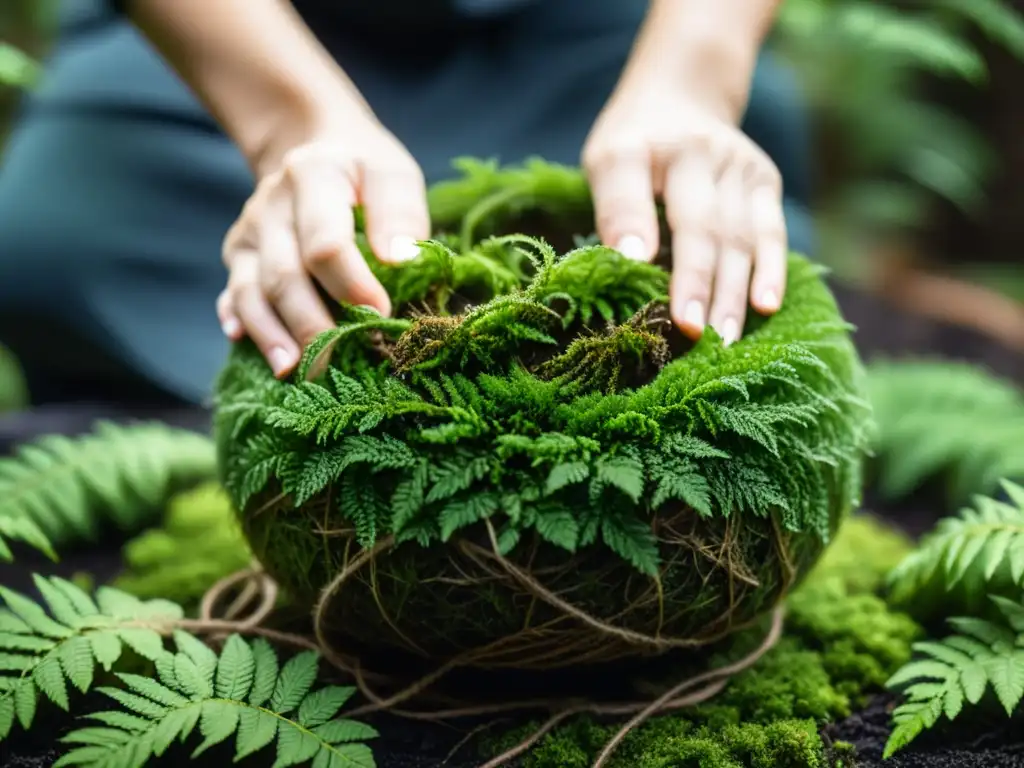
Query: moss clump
841, 644
198, 543
678, 743
528, 466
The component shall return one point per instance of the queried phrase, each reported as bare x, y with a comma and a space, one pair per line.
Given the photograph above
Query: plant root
257, 587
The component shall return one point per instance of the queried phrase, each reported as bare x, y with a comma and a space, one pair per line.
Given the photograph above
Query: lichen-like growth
528, 465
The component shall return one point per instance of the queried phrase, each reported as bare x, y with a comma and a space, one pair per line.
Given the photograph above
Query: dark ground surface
883, 330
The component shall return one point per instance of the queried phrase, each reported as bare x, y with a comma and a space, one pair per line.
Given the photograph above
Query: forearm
255, 65
708, 48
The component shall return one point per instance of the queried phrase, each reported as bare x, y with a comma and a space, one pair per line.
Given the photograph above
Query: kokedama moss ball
528, 466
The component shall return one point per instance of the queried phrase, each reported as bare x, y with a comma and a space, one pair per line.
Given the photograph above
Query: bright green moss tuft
865, 552
198, 543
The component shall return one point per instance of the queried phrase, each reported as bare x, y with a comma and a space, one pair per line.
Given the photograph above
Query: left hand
722, 197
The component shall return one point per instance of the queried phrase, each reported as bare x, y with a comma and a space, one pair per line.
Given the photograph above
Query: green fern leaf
242, 696
58, 490
564, 475
982, 418
957, 669
979, 548
41, 652
633, 540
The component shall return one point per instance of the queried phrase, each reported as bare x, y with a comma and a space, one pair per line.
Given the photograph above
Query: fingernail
231, 327
280, 360
403, 249
770, 299
730, 331
633, 247
693, 314
369, 308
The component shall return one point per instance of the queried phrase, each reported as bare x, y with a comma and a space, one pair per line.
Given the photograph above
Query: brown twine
258, 593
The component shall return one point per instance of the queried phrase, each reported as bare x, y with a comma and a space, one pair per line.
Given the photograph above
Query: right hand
298, 227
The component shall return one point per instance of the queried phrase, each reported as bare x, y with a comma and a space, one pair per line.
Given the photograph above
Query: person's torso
100, 61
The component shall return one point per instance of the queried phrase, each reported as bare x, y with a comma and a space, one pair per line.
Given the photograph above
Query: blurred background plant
26, 27
893, 151
917, 119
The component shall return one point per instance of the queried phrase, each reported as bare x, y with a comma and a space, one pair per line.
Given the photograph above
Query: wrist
298, 116
687, 47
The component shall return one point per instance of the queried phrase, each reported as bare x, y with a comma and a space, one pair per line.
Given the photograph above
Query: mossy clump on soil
198, 543
527, 465
842, 642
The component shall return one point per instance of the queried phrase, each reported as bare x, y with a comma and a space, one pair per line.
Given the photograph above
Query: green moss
865, 551
198, 543
678, 743
841, 644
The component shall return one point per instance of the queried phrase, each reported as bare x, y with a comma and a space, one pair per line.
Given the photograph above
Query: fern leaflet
983, 655
60, 489
242, 693
980, 543
40, 652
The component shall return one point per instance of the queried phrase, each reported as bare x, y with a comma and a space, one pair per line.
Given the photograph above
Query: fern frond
979, 551
64, 640
62, 489
959, 669
978, 444
243, 693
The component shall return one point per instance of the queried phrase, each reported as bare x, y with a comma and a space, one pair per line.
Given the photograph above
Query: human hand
298, 227
723, 203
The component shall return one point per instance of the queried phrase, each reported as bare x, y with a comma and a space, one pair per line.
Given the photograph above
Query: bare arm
316, 149
707, 47
255, 65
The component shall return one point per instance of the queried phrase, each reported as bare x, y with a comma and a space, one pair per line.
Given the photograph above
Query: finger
229, 322
732, 276
395, 206
624, 210
325, 227
283, 276
768, 285
690, 210
258, 319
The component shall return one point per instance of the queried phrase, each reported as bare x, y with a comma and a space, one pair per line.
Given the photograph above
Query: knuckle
241, 282
277, 282
322, 253
597, 157
614, 213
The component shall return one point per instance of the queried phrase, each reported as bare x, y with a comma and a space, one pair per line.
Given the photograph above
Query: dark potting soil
883, 331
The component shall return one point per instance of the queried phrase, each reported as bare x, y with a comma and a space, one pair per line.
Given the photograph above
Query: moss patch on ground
841, 644
198, 543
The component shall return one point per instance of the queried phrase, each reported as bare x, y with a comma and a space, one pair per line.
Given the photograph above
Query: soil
884, 330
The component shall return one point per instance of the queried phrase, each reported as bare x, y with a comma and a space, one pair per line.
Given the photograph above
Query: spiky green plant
964, 560
532, 424
58, 489
72, 641
983, 656
978, 443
